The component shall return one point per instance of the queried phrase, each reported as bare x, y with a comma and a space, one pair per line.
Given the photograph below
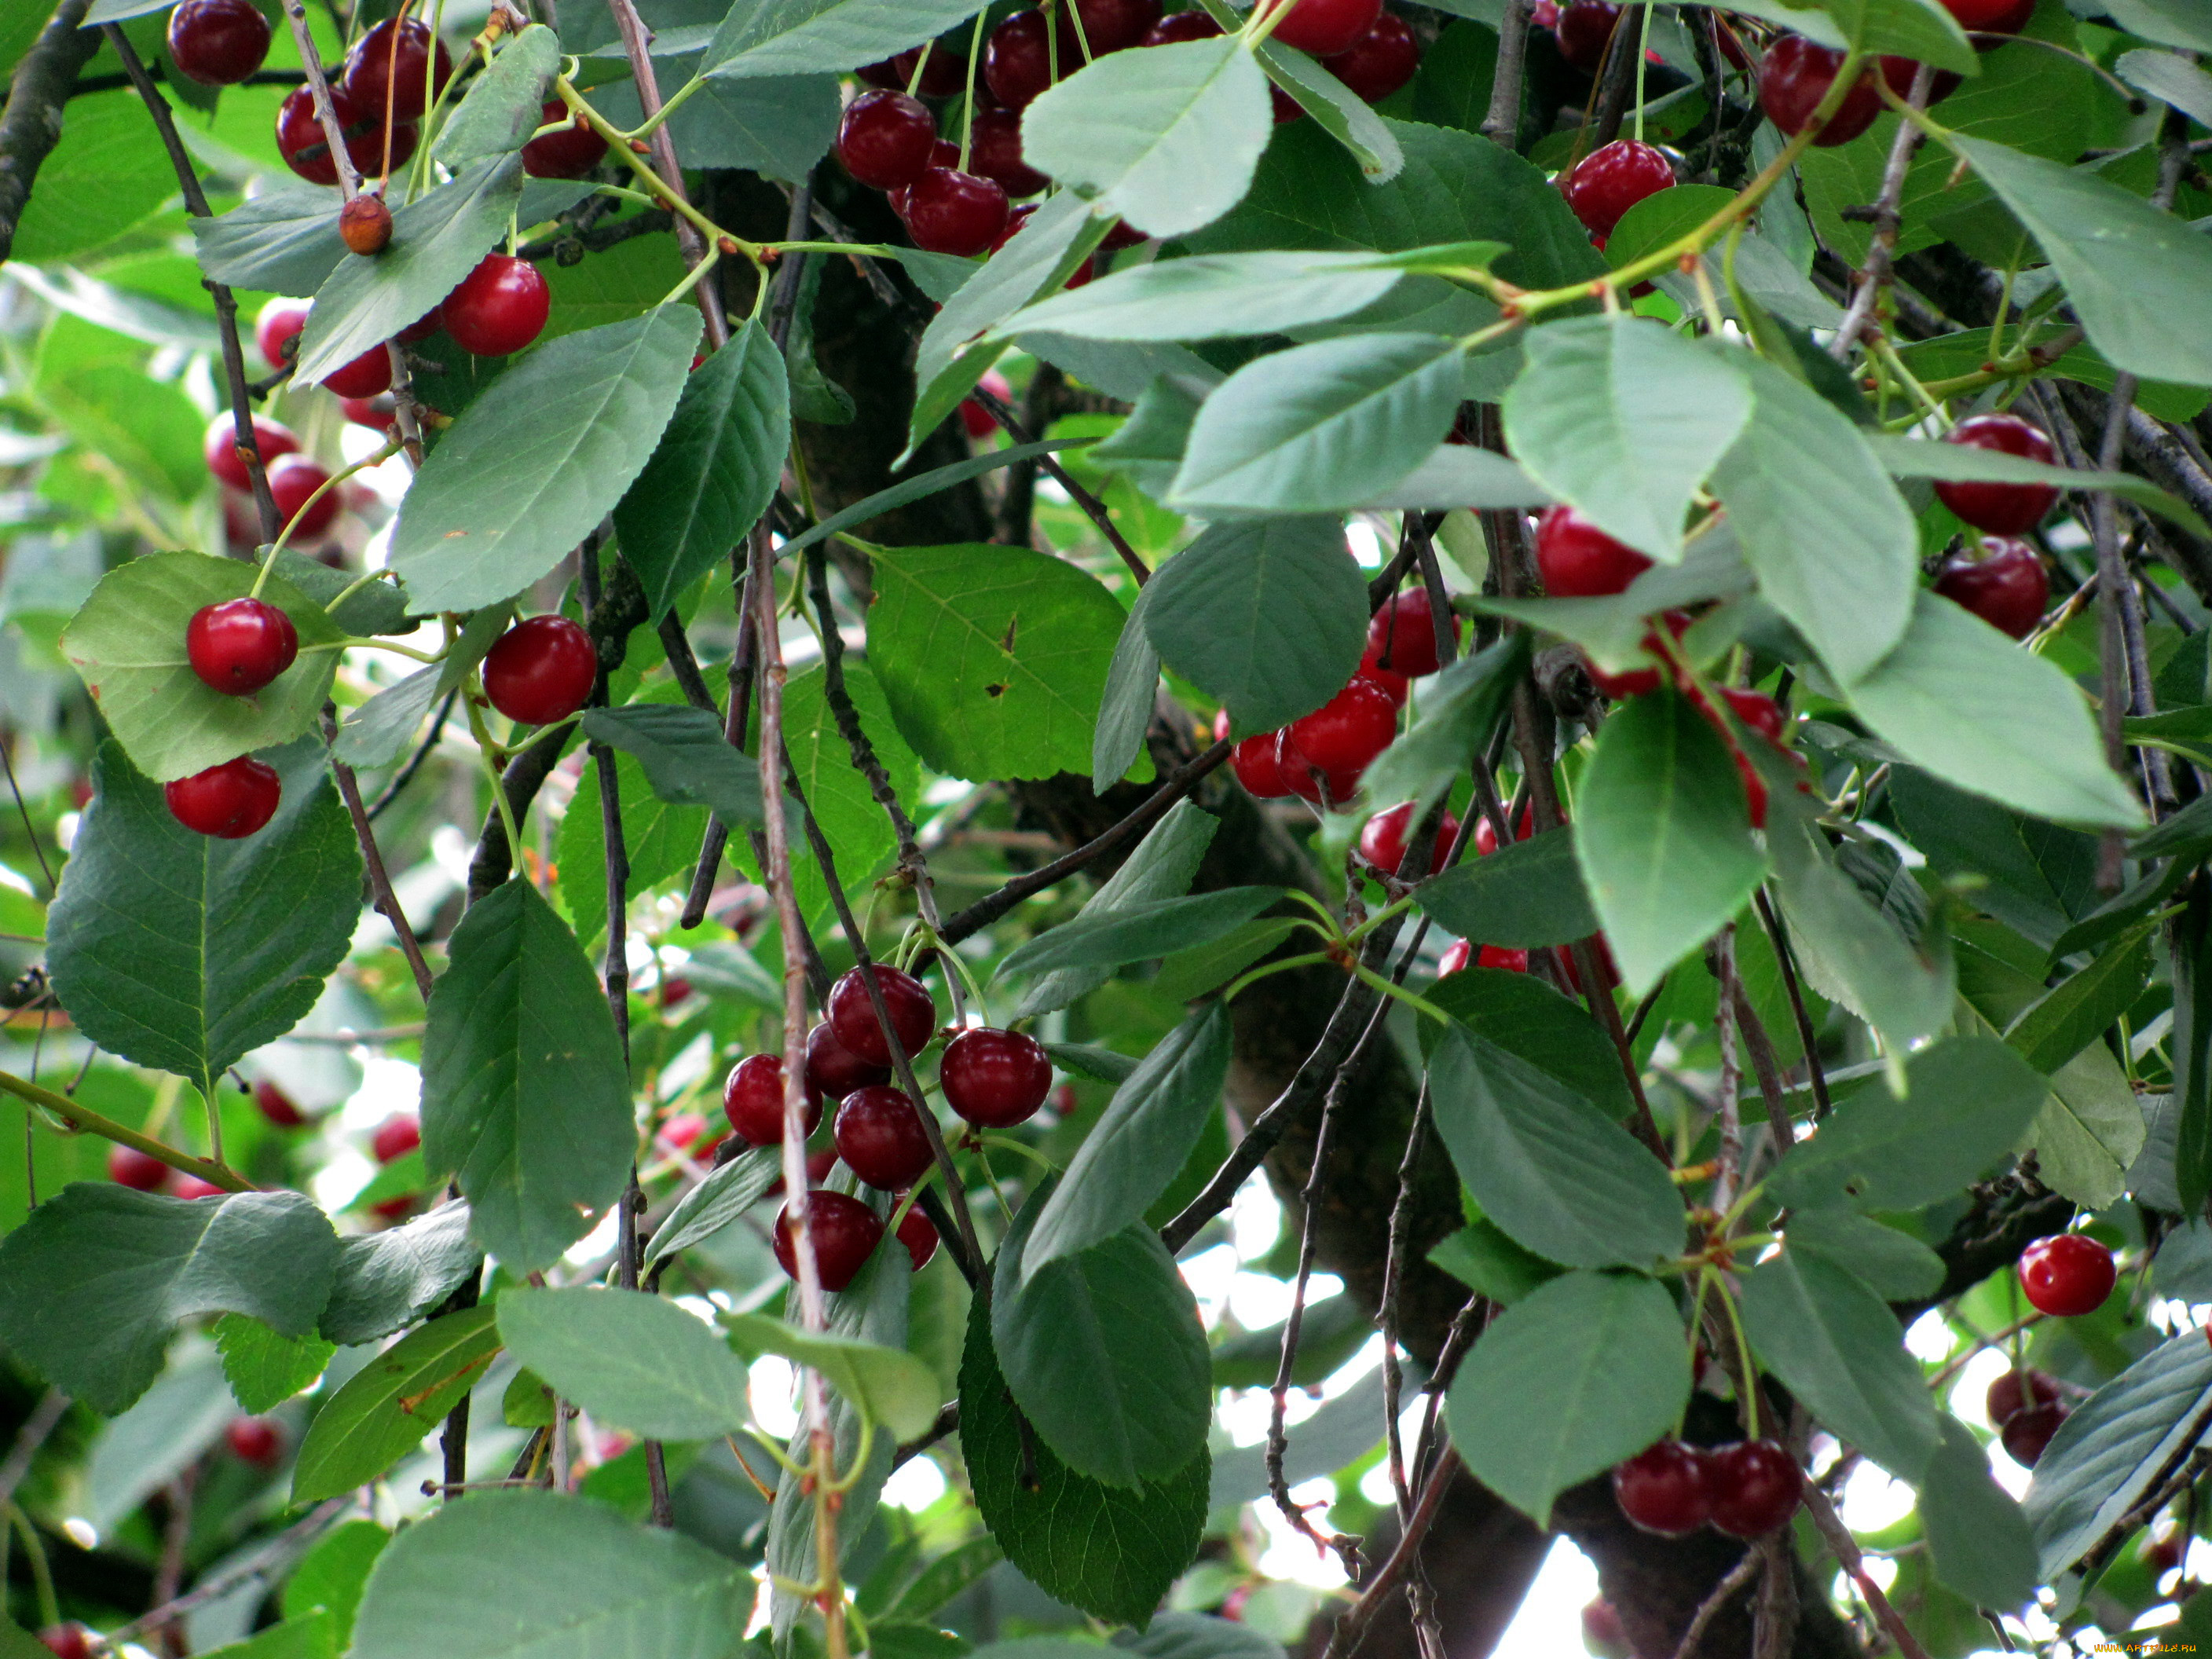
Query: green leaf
1163, 865
525, 1096
186, 952
386, 1281
716, 469
1269, 618
1104, 1354
330, 1577
127, 643
1321, 427
518, 477
1918, 458
1213, 296
1527, 894
103, 177
94, 1283
1461, 708
1125, 707
312, 1636
897, 1391
2171, 23
1968, 1101
726, 1194
436, 240
1529, 1020
1663, 835
1134, 1150
1832, 541
1189, 975
381, 728
661, 840
266, 1370
1336, 109
2131, 272
1585, 1371
1138, 931
1910, 28
921, 486
1850, 950
511, 1574
632, 1360
1896, 1267
992, 658
1625, 419
2035, 878
1199, 1635
1978, 1539
779, 125
1837, 1347
1166, 138
2090, 1130
851, 819
387, 1406
2083, 1005
1110, 1551
1957, 697
795, 37
503, 106
686, 757
170, 1427
283, 241
1555, 1172
1091, 1061
2191, 1045
1484, 1256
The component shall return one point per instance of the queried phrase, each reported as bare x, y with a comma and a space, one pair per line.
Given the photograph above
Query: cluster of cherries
2063, 1276
889, 139
992, 1079
2006, 586
1746, 1489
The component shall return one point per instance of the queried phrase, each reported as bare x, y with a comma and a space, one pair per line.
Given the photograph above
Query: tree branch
31, 121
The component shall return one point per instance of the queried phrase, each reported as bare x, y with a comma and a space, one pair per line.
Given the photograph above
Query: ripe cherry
570, 153
217, 43
2006, 587
1018, 60
1456, 957
293, 482
541, 670
1396, 687
975, 418
1796, 75
2014, 1391
853, 1016
397, 1136
1754, 1485
919, 1234
255, 1440
994, 1079
1578, 561
240, 645
1108, 26
1637, 681
1192, 25
844, 1232
1382, 843
279, 324
752, 1098
193, 1187
1380, 61
307, 151
1584, 30
229, 801
1402, 637
949, 211
1338, 741
375, 413
2001, 509
500, 307
1607, 182
220, 448
1325, 28
943, 154
943, 75
276, 1106
1257, 762
994, 151
140, 1172
1663, 1488
1486, 838
835, 1071
1899, 73
365, 376
391, 61
2000, 18
67, 1641
1506, 958
2027, 1434
885, 139
880, 1137
2067, 1275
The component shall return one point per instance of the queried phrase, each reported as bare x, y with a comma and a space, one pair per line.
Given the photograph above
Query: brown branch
319, 88
597, 239
1839, 1539
83, 1117
31, 120
637, 46
1737, 1576
1345, 1635
1807, 1038
1501, 123
379, 879
1882, 252
1093, 508
262, 1564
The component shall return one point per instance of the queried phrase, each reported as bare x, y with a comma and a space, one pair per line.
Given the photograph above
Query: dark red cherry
2006, 587
391, 61
1607, 182
1252, 760
1756, 710
273, 330
397, 1136
994, 152
1796, 75
2067, 1275
1192, 25
1337, 741
919, 1234
229, 801
140, 1172
293, 482
541, 670
1754, 1485
2027, 1434
220, 448
943, 154
255, 1440
2001, 509
1584, 30
1325, 28
852, 1016
1486, 838
1578, 561
885, 138
364, 377
1108, 26
943, 75
1380, 61
1637, 681
835, 1071
217, 43
1018, 60
570, 153
1507, 959
276, 1106
1899, 73
500, 307
880, 1137
191, 1186
300, 141
1402, 637
1993, 20
949, 211
752, 1098
1663, 1489
241, 645
994, 1079
844, 1230
1382, 843
2013, 1391
66, 1641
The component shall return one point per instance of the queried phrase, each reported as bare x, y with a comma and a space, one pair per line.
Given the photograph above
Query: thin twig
1882, 250
1845, 1549
1344, 1635
1807, 1038
414, 762
1501, 123
28, 1438
1768, 1069
262, 1564
637, 46
1727, 1102
379, 879
1093, 508
1738, 1575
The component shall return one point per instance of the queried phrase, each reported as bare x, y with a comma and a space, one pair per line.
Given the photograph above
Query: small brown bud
366, 223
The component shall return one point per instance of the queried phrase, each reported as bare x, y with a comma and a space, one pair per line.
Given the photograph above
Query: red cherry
919, 1234
397, 1136
942, 77
1325, 28
1338, 741
390, 61
1257, 762
833, 1071
240, 645
1584, 30
278, 324
2027, 1433
1756, 710
1991, 17
880, 1137
1754, 1485
140, 1172
852, 1016
1108, 26
541, 670
255, 1440
1796, 75
1486, 838
1382, 843
885, 138
1507, 958
949, 211
1901, 72
293, 482
220, 448
276, 1106
67, 1641
1663, 1488
1457, 955
1192, 25
229, 801
571, 153
2013, 1392
1380, 61
994, 1079
500, 307
943, 154
1396, 687
2006, 587
191, 1186
1637, 681
2067, 1275
977, 420
1402, 637
845, 1233
1578, 561
818, 1165
1607, 182
1018, 60
2001, 509
752, 1098
364, 377
300, 141
376, 413
217, 43
994, 151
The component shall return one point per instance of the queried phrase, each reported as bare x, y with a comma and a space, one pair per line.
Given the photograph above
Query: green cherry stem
84, 1119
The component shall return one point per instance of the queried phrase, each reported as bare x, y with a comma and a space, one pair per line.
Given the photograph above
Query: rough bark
37, 96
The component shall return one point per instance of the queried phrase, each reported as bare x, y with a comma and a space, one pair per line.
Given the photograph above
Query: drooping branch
30, 122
